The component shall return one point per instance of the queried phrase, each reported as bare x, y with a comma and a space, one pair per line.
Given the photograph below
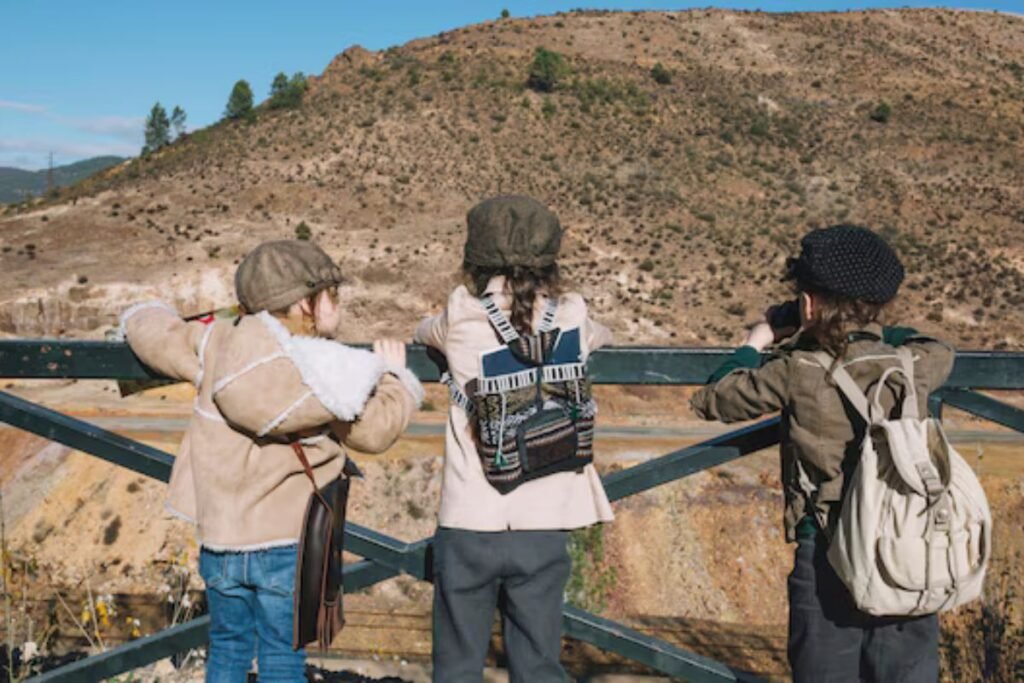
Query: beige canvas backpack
914, 533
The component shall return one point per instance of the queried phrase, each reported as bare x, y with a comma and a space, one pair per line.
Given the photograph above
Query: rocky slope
681, 198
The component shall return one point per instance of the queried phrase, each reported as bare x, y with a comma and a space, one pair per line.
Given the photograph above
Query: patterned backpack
532, 402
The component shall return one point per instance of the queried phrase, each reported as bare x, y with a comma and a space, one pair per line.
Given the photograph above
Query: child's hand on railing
760, 336
391, 351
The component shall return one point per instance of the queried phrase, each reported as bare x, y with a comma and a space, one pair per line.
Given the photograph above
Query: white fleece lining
279, 543
202, 353
270, 426
342, 378
136, 308
248, 368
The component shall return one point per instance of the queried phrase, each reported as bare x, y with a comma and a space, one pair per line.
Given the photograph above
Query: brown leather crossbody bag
319, 615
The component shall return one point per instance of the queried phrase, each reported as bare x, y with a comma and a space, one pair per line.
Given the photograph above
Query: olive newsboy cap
275, 275
512, 231
847, 260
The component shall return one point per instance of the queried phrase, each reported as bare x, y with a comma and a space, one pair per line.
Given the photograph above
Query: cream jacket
567, 500
235, 476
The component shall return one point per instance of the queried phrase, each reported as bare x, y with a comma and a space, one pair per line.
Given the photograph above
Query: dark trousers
831, 641
523, 574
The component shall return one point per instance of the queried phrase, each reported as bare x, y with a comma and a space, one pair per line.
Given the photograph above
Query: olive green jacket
819, 428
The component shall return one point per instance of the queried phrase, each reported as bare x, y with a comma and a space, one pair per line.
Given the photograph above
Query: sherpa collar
341, 377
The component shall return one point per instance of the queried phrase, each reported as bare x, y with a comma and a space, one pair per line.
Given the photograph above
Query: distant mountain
16, 184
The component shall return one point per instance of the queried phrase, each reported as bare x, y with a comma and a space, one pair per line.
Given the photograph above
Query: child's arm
596, 334
432, 331
290, 385
388, 411
384, 418
933, 359
743, 389
163, 341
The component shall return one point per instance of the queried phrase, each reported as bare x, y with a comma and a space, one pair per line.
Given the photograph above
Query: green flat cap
512, 231
275, 275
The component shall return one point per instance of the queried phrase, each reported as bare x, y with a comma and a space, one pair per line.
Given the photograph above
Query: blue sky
77, 78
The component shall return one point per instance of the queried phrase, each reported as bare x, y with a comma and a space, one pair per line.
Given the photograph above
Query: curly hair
836, 316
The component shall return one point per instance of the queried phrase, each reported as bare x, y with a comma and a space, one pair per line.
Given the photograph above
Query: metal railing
386, 557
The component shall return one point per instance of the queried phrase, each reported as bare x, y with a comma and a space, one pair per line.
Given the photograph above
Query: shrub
546, 70
593, 577
882, 113
303, 232
505, 14
548, 108
661, 75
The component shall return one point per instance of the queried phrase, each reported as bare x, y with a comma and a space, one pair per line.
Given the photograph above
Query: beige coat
567, 500
818, 429
235, 476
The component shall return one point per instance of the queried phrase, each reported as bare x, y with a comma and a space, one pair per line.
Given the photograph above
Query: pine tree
178, 121
240, 102
287, 92
157, 131
278, 90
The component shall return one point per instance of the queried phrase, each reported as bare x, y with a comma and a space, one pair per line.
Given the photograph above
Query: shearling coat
236, 476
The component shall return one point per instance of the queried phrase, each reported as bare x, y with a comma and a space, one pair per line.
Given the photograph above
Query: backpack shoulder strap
501, 324
547, 321
910, 400
846, 385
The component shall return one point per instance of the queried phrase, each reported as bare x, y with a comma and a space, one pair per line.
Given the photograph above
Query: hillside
17, 184
682, 199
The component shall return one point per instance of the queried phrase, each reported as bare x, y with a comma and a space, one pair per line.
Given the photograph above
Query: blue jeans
250, 595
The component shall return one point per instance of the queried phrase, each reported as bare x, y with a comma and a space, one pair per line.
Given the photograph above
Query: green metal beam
687, 461
132, 655
86, 437
985, 407
657, 654
54, 359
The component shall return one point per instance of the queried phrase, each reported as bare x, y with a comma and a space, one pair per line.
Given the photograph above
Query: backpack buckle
930, 478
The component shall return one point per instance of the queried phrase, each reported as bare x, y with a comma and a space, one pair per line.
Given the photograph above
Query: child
492, 548
261, 382
844, 277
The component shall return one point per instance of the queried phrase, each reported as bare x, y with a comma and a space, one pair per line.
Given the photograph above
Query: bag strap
547, 320
457, 395
503, 326
300, 452
846, 385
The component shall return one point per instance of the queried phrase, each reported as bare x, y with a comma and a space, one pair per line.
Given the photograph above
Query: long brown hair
522, 283
835, 317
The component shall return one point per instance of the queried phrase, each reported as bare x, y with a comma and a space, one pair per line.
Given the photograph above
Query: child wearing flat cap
501, 537
271, 378
844, 278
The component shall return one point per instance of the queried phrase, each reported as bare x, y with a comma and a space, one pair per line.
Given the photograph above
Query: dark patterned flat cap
512, 231
847, 260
